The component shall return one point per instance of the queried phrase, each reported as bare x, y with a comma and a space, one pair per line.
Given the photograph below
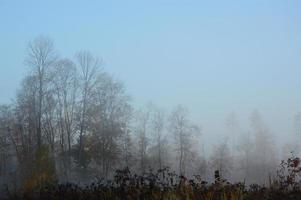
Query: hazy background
214, 58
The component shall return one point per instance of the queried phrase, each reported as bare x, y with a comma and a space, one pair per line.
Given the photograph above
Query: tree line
72, 121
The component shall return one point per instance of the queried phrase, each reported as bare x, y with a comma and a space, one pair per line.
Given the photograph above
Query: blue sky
215, 57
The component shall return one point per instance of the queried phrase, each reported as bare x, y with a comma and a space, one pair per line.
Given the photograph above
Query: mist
195, 88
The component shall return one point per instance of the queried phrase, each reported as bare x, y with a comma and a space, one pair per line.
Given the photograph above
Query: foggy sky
214, 57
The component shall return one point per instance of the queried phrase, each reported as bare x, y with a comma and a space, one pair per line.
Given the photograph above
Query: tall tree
182, 130
109, 113
246, 149
142, 127
89, 68
41, 56
264, 158
65, 86
233, 128
158, 134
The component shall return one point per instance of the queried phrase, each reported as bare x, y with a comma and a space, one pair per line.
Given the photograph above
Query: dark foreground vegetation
141, 189
165, 184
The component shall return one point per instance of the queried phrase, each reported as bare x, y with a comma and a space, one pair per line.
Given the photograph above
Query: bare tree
65, 86
108, 115
158, 130
264, 158
246, 149
61, 112
40, 57
221, 159
127, 149
143, 120
233, 128
182, 130
89, 67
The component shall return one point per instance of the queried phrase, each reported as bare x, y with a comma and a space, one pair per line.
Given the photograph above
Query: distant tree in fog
142, 129
297, 123
233, 128
158, 125
183, 130
264, 158
221, 159
127, 145
245, 159
295, 145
